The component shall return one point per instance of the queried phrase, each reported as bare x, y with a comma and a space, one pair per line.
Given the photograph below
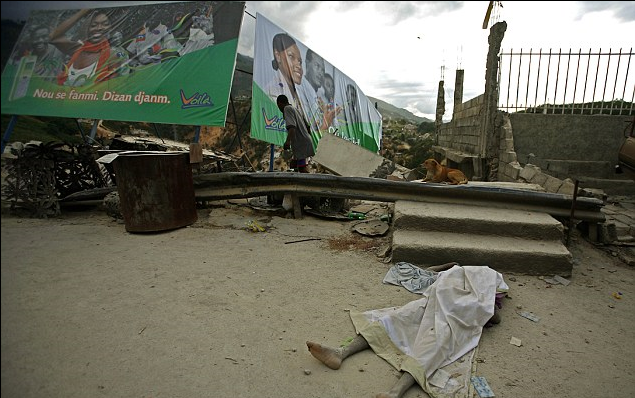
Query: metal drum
156, 190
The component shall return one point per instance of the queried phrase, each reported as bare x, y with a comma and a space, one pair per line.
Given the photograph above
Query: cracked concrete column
440, 111
458, 90
489, 130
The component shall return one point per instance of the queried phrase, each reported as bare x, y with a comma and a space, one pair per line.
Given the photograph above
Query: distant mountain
392, 112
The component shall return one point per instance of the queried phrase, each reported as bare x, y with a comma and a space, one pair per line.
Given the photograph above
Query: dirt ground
216, 310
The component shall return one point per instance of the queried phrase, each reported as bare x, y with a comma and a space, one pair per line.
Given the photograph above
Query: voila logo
196, 100
273, 123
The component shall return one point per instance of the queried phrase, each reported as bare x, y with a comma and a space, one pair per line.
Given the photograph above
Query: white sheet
439, 330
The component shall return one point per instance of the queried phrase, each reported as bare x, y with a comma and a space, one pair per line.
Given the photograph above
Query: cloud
621, 10
292, 15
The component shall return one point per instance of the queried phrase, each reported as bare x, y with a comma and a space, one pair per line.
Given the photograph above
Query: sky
398, 51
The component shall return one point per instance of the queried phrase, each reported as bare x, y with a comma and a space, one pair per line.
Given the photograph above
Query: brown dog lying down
439, 173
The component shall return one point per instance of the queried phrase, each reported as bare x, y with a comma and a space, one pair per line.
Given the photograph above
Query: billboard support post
9, 131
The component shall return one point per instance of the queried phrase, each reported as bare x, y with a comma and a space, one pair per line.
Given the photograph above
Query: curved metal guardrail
234, 185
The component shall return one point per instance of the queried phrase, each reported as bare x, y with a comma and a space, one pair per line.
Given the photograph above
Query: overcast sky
396, 51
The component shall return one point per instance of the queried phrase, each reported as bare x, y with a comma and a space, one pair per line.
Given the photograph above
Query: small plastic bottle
356, 216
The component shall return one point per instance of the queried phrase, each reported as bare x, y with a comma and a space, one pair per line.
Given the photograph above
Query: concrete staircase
509, 241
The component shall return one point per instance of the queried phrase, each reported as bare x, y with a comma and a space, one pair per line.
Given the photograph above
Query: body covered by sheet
434, 337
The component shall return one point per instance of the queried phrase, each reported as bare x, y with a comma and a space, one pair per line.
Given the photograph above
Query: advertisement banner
330, 101
163, 63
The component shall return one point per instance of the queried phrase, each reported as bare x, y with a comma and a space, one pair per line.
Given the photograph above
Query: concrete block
567, 188
395, 177
539, 178
513, 170
508, 157
552, 184
528, 172
607, 233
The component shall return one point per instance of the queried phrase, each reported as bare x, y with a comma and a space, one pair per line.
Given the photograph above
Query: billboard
330, 101
163, 63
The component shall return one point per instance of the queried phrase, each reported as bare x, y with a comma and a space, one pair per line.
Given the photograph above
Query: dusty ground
214, 310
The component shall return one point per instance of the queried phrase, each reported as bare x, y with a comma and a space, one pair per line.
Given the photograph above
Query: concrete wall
553, 148
458, 140
569, 144
462, 133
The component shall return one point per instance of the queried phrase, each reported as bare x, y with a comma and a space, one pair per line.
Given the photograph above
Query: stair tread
440, 211
457, 242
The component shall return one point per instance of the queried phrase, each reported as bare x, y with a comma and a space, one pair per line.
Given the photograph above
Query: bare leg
496, 318
403, 384
442, 267
333, 357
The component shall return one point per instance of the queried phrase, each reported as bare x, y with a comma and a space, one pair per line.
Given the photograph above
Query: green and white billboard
164, 63
331, 102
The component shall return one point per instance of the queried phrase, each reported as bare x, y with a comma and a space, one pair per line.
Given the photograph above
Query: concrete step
504, 254
619, 185
567, 168
478, 220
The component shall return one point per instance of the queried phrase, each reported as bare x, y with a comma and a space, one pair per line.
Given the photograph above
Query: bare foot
330, 357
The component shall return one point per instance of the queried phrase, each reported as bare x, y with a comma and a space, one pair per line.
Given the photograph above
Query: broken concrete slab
346, 159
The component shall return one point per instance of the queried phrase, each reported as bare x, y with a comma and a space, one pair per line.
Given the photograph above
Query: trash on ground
557, 279
253, 226
371, 228
302, 240
562, 280
515, 341
529, 315
481, 387
353, 215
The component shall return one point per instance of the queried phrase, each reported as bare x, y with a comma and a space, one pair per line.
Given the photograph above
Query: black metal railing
570, 82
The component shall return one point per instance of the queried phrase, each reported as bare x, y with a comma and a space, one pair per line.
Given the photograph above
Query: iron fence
566, 82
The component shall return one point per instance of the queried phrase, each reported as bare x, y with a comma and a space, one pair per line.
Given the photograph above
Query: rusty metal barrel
156, 190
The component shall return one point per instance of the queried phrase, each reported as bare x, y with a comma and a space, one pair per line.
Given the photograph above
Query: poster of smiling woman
164, 63
329, 100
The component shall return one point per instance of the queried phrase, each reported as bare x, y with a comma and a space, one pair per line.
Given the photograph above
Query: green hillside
389, 111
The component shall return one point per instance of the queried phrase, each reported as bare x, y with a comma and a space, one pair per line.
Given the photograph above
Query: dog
436, 172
